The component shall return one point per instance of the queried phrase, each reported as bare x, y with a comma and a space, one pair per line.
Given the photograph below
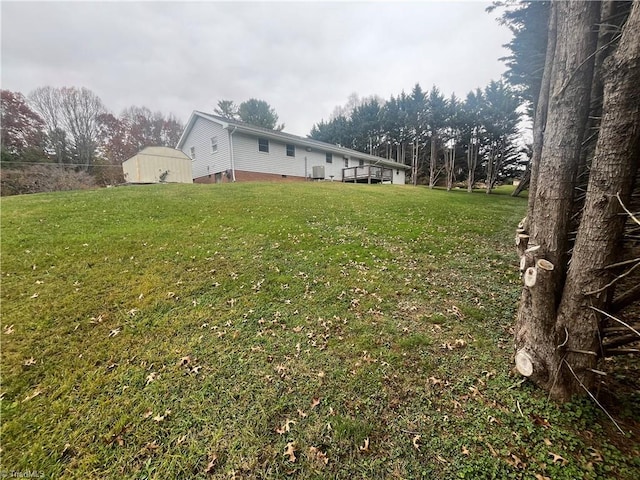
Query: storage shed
158, 165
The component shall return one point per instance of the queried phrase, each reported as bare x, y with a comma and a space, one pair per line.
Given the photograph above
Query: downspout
233, 166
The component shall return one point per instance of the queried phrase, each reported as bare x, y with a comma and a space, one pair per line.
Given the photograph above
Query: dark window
291, 150
329, 158
214, 144
361, 162
193, 153
346, 163
263, 145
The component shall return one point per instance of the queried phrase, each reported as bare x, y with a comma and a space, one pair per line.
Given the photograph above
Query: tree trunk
540, 119
598, 242
434, 161
537, 334
472, 161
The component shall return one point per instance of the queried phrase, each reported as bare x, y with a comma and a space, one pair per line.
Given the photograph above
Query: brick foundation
242, 176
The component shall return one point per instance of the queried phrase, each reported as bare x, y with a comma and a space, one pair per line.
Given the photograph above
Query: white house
224, 150
158, 164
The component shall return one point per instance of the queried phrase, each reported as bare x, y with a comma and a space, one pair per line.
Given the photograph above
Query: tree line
71, 127
445, 140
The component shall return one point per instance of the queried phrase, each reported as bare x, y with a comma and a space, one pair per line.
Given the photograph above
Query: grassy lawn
278, 331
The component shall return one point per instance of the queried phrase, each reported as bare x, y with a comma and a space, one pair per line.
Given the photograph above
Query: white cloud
302, 58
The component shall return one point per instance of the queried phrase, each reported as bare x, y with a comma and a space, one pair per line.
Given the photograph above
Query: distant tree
71, 116
21, 129
135, 129
259, 113
47, 101
500, 117
436, 119
226, 109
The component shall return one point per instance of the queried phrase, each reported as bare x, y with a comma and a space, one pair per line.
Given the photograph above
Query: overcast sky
303, 58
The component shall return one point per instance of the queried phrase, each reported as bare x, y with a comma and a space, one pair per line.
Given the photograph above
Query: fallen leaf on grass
547, 442
290, 451
150, 378
211, 465
184, 361
440, 459
147, 414
465, 451
301, 414
8, 329
159, 418
557, 458
597, 456
29, 361
516, 462
315, 402
114, 332
318, 456
415, 441
541, 477
32, 396
365, 447
35, 295
285, 427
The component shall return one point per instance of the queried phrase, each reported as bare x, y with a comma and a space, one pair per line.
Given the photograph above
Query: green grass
197, 331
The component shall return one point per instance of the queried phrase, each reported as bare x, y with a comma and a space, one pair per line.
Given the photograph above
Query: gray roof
243, 127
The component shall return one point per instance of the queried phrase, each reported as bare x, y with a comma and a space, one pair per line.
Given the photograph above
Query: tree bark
537, 335
434, 161
613, 170
540, 119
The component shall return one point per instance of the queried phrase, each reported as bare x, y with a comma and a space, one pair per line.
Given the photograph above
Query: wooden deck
367, 174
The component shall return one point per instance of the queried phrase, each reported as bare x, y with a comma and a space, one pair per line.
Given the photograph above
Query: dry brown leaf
8, 329
315, 402
301, 414
597, 456
290, 450
557, 458
36, 392
286, 427
184, 361
541, 477
147, 414
159, 418
29, 361
35, 295
465, 451
365, 447
318, 456
211, 465
440, 459
547, 442
415, 441
151, 377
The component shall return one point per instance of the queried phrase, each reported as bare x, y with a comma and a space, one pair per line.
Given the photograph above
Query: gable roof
235, 125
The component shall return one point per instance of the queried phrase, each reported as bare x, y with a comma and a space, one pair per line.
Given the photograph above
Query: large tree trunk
598, 242
537, 333
540, 119
472, 161
433, 164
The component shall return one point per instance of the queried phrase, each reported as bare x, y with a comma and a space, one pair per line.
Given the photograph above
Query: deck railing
367, 173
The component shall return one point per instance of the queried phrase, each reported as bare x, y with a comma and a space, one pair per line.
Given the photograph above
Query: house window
193, 153
329, 158
263, 145
361, 162
346, 163
291, 150
214, 144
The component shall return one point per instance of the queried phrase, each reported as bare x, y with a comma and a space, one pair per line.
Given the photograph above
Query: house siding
248, 158
206, 162
250, 163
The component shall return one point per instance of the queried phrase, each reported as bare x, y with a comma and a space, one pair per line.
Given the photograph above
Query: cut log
530, 275
545, 264
524, 363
